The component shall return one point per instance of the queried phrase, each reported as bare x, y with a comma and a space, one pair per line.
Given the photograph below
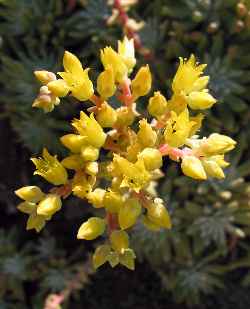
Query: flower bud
106, 116
91, 168
91, 229
146, 135
35, 222
142, 82
150, 224
192, 167
45, 77
157, 105
106, 83
73, 142
200, 83
96, 197
217, 144
219, 159
158, 214
152, 158
100, 256
113, 259
125, 116
26, 207
73, 162
49, 205
112, 201
31, 194
200, 100
110, 58
127, 51
89, 153
129, 213
44, 102
128, 259
213, 169
119, 241
58, 87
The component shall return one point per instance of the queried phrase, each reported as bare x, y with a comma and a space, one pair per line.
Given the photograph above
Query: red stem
124, 18
126, 96
112, 221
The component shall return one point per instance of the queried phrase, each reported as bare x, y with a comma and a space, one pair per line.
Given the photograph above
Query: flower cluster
133, 150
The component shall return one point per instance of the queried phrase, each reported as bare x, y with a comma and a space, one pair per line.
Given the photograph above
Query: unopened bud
31, 194
49, 205
129, 213
157, 105
146, 135
152, 158
113, 201
91, 229
89, 153
119, 241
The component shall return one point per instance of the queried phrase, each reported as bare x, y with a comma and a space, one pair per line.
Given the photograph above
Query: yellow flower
178, 129
81, 186
76, 78
90, 128
50, 168
135, 175
49, 205
142, 82
31, 194
106, 83
157, 105
192, 167
126, 50
91, 229
187, 77
110, 58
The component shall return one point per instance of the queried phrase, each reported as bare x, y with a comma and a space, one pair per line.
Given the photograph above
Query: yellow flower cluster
133, 153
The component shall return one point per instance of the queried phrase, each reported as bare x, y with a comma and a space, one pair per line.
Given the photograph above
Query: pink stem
126, 95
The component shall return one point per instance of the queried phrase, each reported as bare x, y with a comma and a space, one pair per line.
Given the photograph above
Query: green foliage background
208, 248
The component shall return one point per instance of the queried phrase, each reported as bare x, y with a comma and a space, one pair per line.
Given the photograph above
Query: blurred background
204, 261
